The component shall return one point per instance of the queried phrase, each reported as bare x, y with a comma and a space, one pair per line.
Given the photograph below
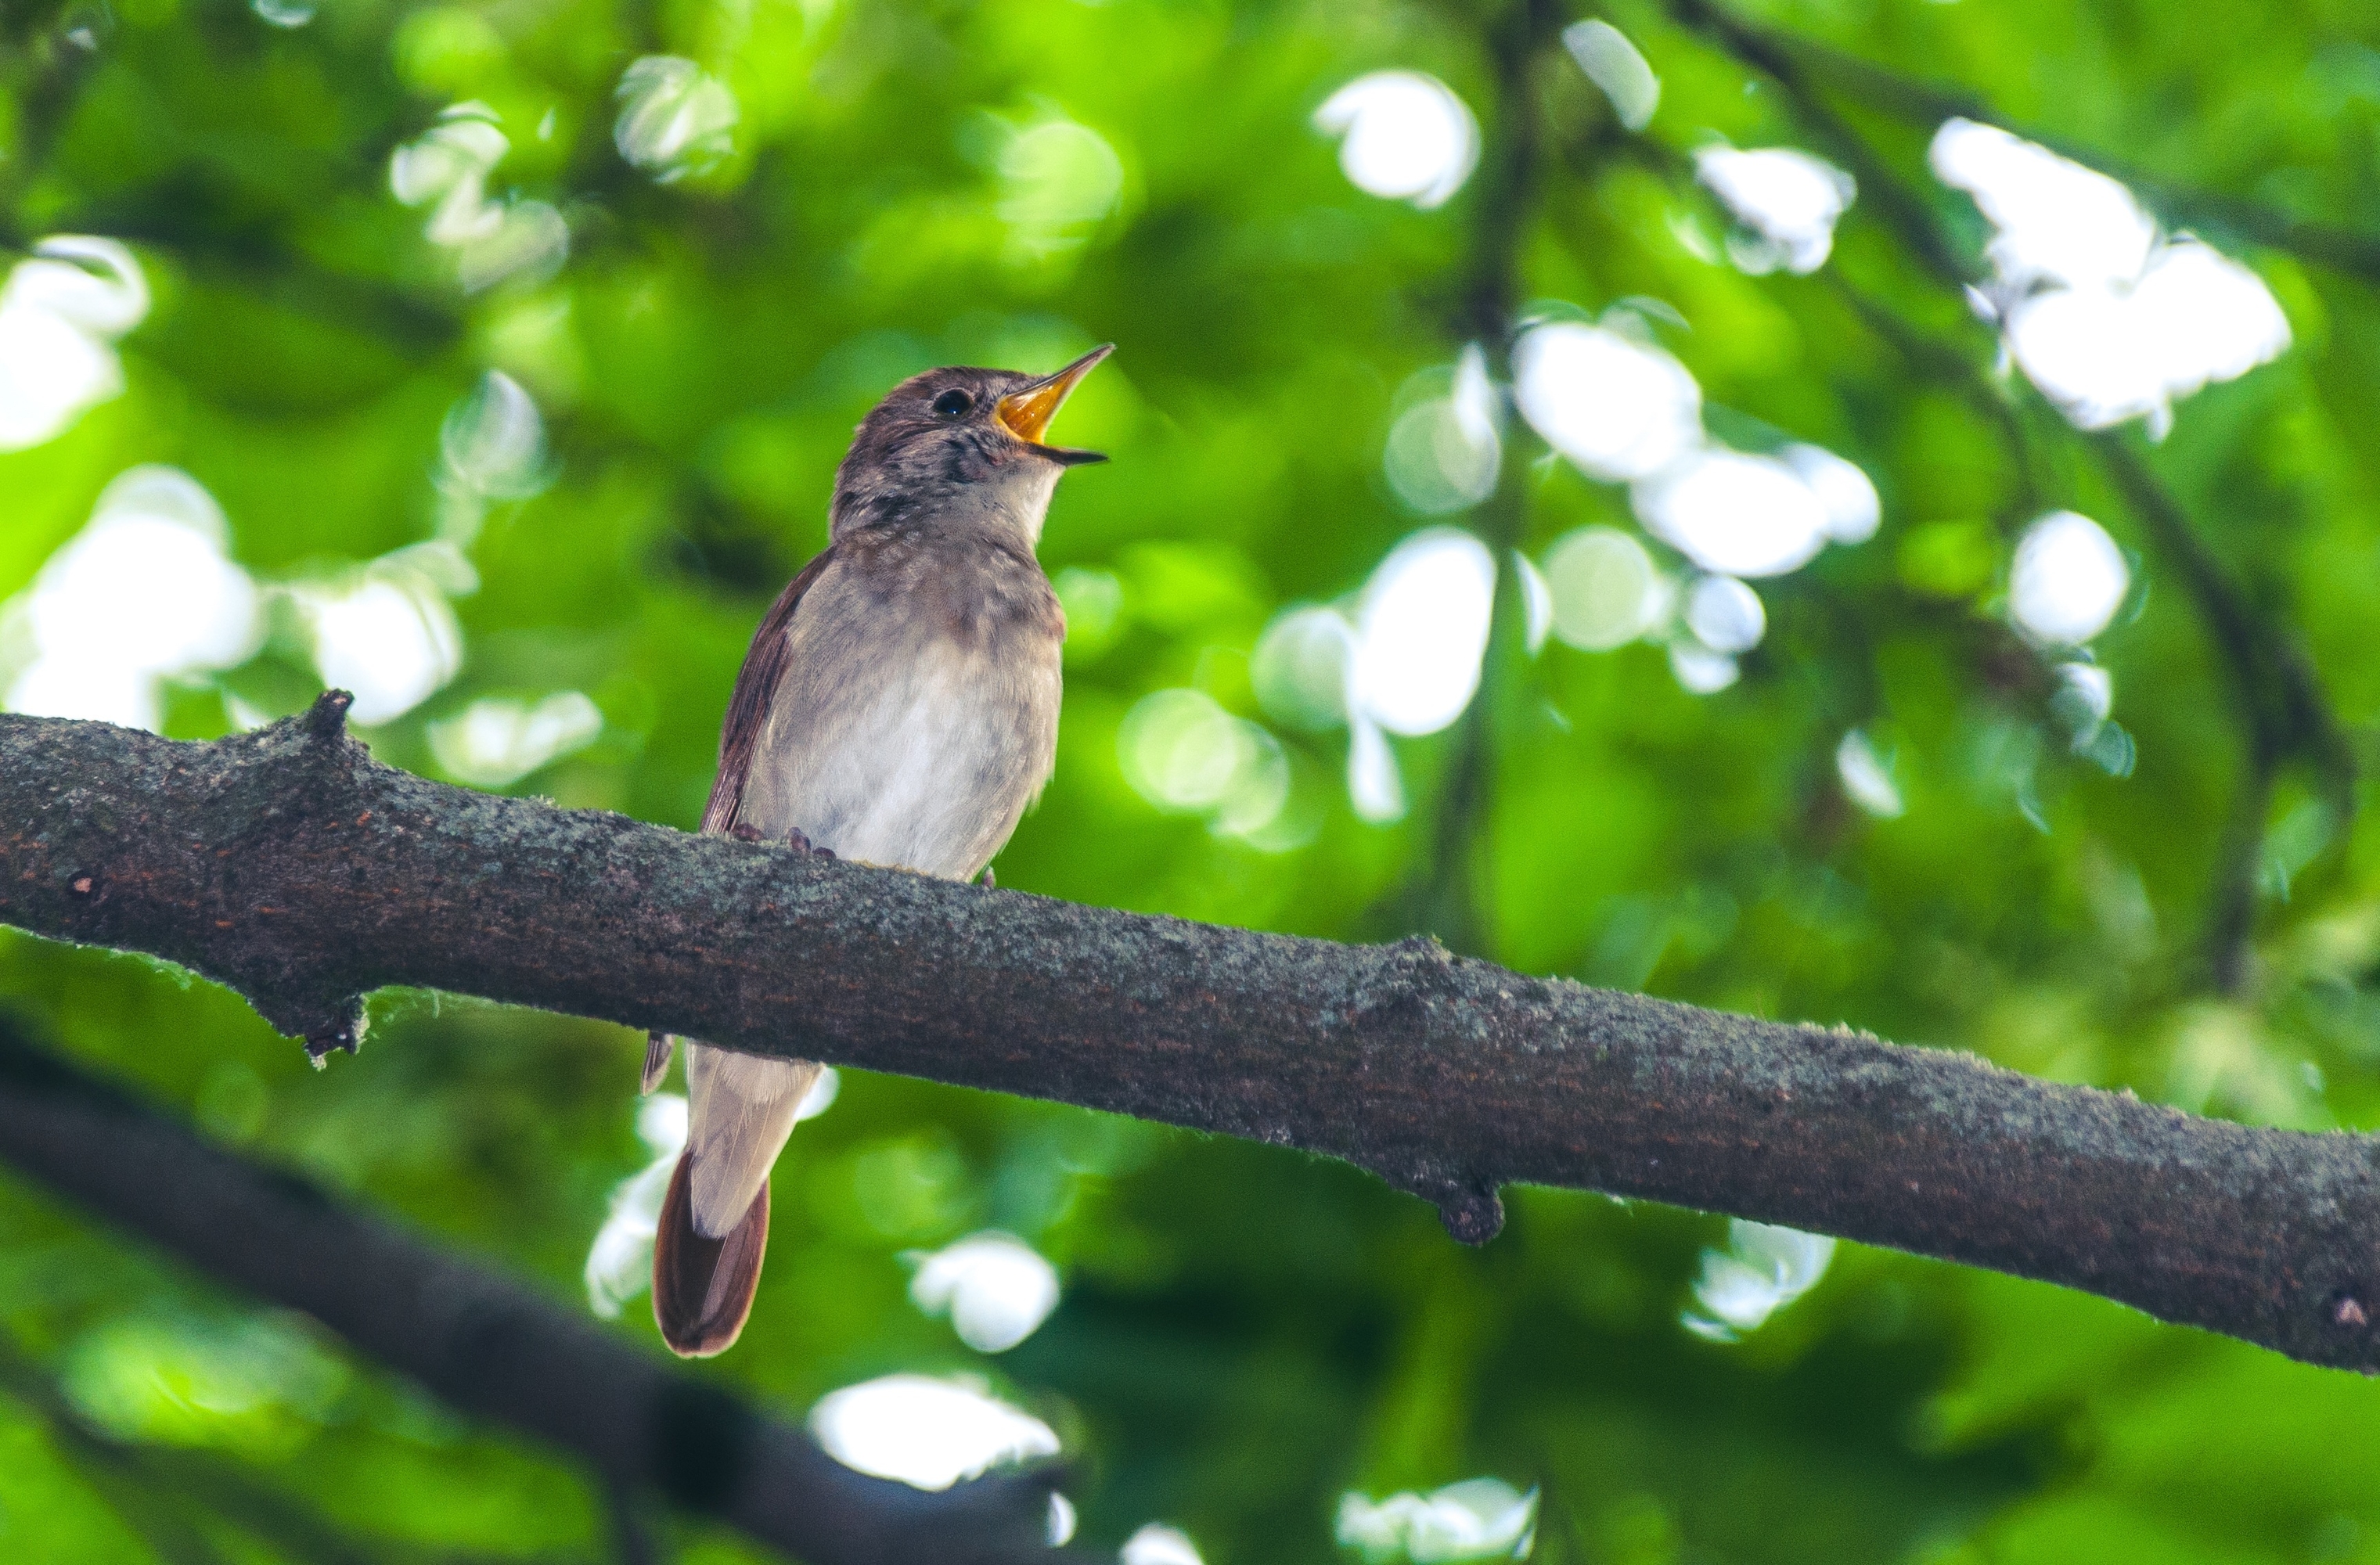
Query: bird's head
961, 447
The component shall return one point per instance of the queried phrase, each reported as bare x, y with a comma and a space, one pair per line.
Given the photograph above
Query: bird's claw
799, 843
744, 833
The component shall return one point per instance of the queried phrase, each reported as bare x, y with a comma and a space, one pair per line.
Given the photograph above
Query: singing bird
898, 706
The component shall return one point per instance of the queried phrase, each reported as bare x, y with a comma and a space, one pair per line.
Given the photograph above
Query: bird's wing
739, 736
756, 685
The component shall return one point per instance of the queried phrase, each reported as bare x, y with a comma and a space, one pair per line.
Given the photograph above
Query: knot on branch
1404, 977
1470, 1208
326, 719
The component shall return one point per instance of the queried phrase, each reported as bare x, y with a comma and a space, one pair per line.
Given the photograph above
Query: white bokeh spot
1786, 200
927, 1433
146, 592
1477, 1519
2068, 581
996, 1289
1616, 407
1764, 1268
1403, 135
2109, 320
61, 311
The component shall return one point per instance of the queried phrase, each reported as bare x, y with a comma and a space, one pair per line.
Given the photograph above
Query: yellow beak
1025, 414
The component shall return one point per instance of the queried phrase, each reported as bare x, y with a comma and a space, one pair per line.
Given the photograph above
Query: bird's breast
906, 732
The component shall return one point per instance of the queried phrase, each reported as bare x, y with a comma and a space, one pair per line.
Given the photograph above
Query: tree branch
1929, 103
1449, 900
2277, 692
289, 865
484, 1343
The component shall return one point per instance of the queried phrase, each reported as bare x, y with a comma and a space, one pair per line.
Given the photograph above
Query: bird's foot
796, 840
991, 881
744, 833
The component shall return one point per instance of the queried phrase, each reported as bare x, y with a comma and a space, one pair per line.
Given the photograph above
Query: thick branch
484, 1343
289, 865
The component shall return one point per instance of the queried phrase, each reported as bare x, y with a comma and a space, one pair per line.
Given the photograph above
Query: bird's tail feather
702, 1286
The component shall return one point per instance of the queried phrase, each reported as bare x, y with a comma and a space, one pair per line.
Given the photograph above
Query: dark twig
130, 1486
1452, 899
2282, 709
289, 865
1929, 103
482, 1342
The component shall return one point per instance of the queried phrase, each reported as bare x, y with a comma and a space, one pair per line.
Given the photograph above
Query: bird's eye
953, 405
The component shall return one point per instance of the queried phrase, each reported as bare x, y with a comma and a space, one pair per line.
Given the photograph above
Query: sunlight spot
1699, 670
255, 1383
61, 311
1477, 1519
1844, 491
491, 445
1787, 201
1619, 408
1537, 603
496, 741
386, 635
674, 119
2056, 221
1443, 453
1866, 779
1422, 630
1764, 1268
284, 13
927, 1433
1725, 615
996, 1289
620, 1262
1153, 1544
1301, 664
145, 591
2069, 580
2107, 319
447, 169
2105, 356
1734, 514
2086, 694
1612, 63
1405, 135
1606, 589
1183, 752
1375, 787
1058, 180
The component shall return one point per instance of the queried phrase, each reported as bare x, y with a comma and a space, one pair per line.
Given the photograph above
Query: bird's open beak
1026, 413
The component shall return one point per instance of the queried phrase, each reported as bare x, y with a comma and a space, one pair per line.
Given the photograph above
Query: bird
898, 706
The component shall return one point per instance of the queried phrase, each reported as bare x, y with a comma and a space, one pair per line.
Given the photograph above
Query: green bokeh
1245, 1334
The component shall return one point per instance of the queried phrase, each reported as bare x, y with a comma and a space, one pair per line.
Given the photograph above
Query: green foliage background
1245, 1334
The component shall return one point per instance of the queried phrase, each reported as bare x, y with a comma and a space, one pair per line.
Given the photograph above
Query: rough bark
483, 1342
290, 866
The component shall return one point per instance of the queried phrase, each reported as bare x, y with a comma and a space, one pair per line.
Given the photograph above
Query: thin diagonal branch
2284, 714
1929, 103
289, 865
482, 1342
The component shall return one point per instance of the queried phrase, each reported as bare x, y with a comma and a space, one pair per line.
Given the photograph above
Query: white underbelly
927, 769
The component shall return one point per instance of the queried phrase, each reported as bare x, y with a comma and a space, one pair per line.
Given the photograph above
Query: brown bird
899, 706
